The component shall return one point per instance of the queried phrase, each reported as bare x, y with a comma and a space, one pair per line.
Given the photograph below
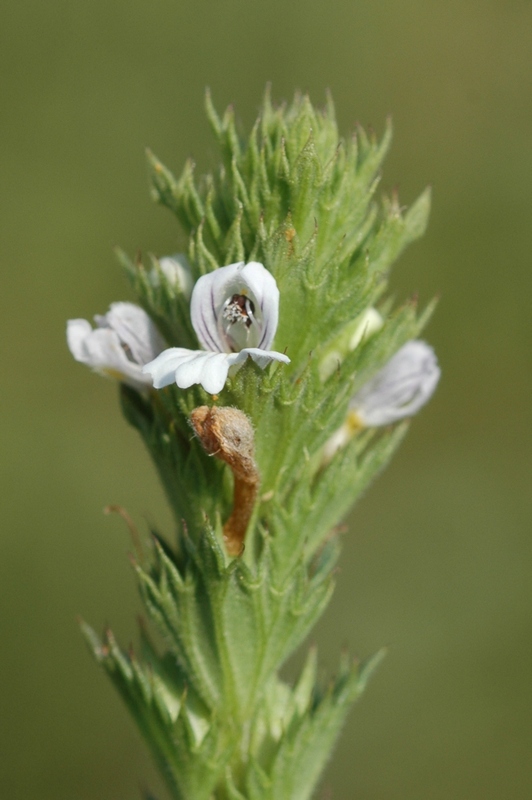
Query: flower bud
176, 270
360, 328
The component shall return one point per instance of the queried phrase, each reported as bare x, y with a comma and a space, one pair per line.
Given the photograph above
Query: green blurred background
437, 562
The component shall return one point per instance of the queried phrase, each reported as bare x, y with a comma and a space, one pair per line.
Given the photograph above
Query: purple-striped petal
234, 307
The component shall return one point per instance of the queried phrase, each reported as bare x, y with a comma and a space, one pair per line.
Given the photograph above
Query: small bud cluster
271, 340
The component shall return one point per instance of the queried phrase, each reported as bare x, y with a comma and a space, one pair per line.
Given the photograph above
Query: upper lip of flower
215, 293
234, 311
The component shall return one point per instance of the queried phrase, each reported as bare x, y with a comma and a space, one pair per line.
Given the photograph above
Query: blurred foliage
436, 562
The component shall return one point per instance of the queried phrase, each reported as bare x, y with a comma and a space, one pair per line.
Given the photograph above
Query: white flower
396, 391
124, 340
400, 388
176, 270
234, 311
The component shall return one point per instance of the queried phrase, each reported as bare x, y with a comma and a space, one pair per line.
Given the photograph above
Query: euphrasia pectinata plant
271, 381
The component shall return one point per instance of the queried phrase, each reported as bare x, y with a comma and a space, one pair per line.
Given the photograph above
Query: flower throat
239, 309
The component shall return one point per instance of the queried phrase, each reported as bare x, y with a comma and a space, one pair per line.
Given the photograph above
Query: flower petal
203, 368
263, 285
214, 372
400, 388
102, 350
135, 330
210, 370
261, 357
187, 367
77, 332
264, 357
206, 305
162, 369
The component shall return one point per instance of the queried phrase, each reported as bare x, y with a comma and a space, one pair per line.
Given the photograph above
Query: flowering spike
285, 243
